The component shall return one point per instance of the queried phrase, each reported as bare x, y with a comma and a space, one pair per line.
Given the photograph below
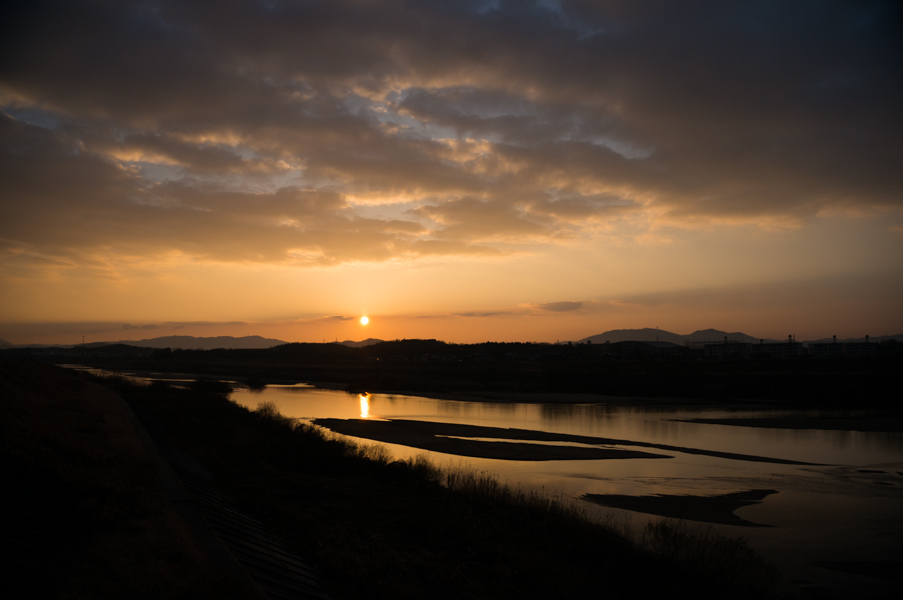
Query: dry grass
711, 554
488, 487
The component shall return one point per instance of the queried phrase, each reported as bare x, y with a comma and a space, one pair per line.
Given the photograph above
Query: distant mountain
5, 344
635, 335
660, 335
187, 342
367, 342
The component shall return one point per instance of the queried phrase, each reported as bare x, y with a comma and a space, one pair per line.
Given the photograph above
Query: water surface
848, 507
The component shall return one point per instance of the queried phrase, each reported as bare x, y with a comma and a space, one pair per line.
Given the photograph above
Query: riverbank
374, 527
85, 514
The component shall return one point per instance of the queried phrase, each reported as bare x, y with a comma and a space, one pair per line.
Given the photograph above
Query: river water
847, 507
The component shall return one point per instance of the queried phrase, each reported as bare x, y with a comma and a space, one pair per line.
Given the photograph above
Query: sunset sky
467, 171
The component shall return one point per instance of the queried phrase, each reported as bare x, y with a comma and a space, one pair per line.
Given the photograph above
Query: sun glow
364, 320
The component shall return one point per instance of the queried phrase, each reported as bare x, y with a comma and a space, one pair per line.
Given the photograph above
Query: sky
461, 170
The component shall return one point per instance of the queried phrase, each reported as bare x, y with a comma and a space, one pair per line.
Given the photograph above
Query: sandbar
429, 435
435, 437
706, 509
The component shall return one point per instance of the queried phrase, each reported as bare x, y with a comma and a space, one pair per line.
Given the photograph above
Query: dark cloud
474, 219
238, 130
560, 306
65, 202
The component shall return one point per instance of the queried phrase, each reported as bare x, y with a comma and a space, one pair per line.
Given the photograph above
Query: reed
711, 554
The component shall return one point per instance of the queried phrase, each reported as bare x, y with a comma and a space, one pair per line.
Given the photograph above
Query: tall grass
269, 412
713, 555
488, 487
426, 469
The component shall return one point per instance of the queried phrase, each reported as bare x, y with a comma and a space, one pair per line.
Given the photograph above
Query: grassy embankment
84, 514
375, 527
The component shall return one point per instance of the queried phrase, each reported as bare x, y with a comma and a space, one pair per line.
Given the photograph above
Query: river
845, 507
848, 507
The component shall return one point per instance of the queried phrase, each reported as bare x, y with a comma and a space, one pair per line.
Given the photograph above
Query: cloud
236, 131
66, 203
475, 219
560, 306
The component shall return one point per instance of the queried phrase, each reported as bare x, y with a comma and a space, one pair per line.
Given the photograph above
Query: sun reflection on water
365, 405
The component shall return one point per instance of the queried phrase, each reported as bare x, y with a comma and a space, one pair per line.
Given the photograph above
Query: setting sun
364, 320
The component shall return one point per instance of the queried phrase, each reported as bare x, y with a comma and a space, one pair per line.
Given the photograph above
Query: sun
364, 320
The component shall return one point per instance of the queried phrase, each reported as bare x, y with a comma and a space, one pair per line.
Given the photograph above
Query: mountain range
660, 336
188, 342
184, 342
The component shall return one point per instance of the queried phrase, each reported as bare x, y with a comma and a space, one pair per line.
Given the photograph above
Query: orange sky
473, 172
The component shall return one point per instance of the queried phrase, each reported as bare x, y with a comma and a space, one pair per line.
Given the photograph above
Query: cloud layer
318, 133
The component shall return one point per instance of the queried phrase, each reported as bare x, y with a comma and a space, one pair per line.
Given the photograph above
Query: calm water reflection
364, 400
654, 424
